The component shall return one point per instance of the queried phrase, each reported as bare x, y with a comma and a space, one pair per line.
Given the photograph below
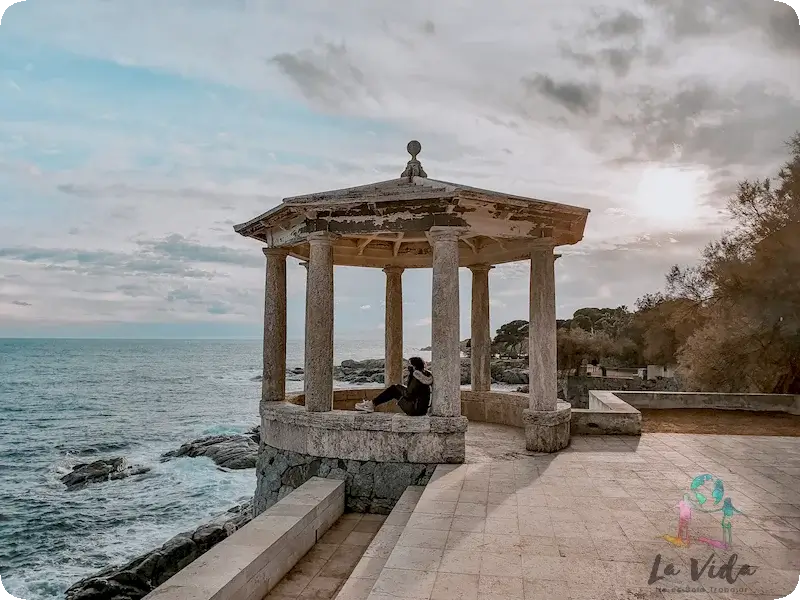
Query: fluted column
481, 335
445, 343
393, 355
319, 323
273, 382
543, 376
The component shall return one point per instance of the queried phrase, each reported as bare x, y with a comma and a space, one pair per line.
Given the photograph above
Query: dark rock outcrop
146, 572
361, 371
110, 469
227, 451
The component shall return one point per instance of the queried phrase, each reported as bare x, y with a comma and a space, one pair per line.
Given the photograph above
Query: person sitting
414, 399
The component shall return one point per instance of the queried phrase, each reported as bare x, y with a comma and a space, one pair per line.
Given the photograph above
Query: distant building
663, 371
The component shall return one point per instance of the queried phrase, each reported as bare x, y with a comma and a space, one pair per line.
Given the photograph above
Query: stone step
365, 574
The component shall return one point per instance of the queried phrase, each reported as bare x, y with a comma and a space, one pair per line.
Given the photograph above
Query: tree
576, 344
511, 340
747, 287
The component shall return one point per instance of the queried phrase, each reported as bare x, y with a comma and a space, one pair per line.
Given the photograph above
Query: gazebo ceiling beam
362, 245
398, 242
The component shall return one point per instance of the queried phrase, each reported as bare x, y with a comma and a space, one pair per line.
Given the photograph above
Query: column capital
480, 268
557, 256
393, 270
323, 237
544, 250
440, 233
278, 252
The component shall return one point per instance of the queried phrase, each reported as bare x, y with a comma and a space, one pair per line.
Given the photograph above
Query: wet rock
110, 469
227, 451
146, 572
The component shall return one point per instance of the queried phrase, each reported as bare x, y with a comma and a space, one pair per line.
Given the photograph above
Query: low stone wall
607, 415
503, 408
377, 454
786, 403
249, 563
370, 486
578, 387
347, 399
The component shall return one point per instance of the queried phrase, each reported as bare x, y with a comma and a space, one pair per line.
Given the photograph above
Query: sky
134, 135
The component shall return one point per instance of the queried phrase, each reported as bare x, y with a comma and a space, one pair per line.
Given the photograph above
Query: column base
547, 430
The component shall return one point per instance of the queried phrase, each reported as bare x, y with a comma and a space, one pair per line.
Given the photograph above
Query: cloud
366, 307
577, 98
325, 74
21, 303
125, 164
623, 23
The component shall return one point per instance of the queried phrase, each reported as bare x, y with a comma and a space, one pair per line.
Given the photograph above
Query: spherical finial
414, 148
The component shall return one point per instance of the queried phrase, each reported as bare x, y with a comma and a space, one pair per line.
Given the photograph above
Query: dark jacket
417, 396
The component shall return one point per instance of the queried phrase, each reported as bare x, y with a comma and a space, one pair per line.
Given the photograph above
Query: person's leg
393, 392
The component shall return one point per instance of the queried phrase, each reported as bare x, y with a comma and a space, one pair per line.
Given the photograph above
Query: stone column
481, 334
273, 383
547, 419
319, 323
445, 343
393, 355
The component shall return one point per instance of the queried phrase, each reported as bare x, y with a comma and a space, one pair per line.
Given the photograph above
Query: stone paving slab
589, 522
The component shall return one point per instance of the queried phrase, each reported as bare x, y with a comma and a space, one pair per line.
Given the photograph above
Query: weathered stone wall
370, 486
578, 387
720, 401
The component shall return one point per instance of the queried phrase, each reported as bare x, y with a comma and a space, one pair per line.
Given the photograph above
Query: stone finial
414, 167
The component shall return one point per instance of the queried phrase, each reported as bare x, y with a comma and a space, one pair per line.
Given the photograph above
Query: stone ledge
287, 412
379, 437
249, 563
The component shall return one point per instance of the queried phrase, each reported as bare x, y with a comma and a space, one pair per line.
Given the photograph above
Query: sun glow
668, 194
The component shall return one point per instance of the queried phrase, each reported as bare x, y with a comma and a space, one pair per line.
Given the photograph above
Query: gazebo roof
387, 223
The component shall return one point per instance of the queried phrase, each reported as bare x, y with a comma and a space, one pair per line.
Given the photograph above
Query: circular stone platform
377, 454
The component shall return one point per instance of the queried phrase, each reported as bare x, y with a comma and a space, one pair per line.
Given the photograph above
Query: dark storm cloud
326, 74
172, 255
620, 35
21, 303
576, 97
623, 23
776, 21
705, 125
178, 248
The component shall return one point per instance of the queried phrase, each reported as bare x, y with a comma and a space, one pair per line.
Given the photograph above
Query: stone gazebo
412, 222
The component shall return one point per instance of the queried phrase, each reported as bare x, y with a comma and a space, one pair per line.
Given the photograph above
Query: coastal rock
146, 572
109, 469
227, 451
360, 372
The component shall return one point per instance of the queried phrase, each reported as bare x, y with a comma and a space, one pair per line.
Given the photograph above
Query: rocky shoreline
144, 573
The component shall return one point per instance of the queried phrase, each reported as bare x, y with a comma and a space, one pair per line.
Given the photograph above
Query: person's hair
417, 363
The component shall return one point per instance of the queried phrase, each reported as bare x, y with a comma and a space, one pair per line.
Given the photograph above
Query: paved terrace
588, 522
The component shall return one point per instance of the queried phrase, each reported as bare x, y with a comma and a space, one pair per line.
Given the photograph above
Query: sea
64, 402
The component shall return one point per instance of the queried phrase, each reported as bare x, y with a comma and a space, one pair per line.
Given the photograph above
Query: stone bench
248, 564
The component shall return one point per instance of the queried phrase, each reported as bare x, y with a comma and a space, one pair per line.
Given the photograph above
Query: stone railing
785, 403
503, 408
249, 563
